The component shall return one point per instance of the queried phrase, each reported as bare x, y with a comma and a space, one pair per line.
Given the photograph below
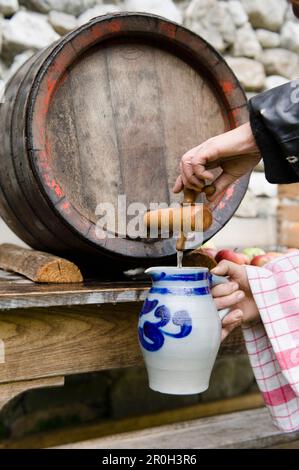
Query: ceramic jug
180, 329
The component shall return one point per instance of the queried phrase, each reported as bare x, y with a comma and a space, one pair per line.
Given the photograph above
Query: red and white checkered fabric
273, 344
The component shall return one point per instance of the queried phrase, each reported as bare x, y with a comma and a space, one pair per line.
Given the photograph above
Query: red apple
230, 255
260, 260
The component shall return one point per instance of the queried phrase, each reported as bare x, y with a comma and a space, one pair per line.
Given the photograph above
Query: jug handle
214, 281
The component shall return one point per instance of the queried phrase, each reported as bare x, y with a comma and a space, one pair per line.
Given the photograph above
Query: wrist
248, 144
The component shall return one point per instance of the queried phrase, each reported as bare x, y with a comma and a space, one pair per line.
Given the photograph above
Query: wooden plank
17, 292
288, 211
289, 191
137, 105
90, 170
191, 110
286, 445
18, 214
288, 224
289, 236
83, 433
8, 391
59, 342
38, 266
241, 430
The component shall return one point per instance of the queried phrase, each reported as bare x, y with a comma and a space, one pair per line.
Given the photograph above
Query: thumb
224, 268
221, 184
179, 185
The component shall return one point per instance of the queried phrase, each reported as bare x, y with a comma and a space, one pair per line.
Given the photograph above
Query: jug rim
176, 269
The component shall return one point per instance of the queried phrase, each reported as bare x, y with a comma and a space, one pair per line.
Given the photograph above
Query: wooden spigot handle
190, 195
189, 198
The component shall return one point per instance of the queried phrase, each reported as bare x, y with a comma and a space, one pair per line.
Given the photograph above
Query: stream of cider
180, 255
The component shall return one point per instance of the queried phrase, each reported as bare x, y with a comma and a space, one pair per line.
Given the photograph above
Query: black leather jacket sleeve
274, 118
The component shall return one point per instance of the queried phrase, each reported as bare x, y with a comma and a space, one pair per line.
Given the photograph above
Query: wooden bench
48, 332
242, 430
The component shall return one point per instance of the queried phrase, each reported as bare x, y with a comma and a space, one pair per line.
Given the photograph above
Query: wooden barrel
109, 110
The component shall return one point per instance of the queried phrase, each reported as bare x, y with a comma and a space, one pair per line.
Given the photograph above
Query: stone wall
259, 39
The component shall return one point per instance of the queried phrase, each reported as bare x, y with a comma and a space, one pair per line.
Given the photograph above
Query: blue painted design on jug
148, 306
186, 291
152, 336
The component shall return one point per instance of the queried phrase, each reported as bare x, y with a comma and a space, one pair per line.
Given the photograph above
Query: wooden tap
194, 216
